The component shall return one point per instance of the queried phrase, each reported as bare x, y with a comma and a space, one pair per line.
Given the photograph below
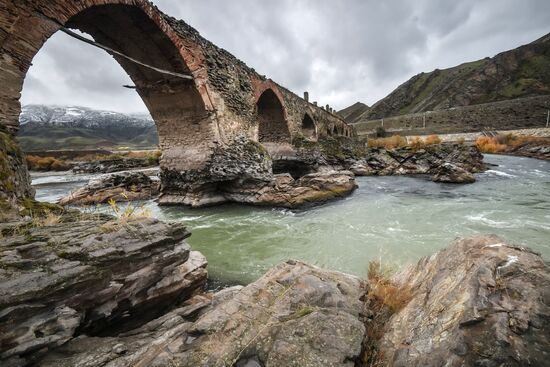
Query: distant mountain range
521, 72
69, 127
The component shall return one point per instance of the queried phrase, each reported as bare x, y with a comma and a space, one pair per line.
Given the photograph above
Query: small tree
380, 132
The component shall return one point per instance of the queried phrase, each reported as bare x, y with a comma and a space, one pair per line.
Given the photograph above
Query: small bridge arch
309, 127
272, 118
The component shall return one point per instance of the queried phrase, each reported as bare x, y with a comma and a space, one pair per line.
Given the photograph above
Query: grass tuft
385, 298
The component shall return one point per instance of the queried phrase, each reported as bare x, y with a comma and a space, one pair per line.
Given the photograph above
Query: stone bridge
198, 118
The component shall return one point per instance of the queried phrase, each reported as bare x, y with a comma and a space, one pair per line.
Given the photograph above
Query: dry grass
504, 142
419, 143
489, 145
124, 217
397, 141
49, 219
385, 298
391, 142
390, 294
36, 163
432, 139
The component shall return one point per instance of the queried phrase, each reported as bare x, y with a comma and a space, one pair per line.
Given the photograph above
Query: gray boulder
450, 173
479, 302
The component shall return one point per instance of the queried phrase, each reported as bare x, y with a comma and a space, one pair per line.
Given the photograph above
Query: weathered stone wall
505, 115
195, 118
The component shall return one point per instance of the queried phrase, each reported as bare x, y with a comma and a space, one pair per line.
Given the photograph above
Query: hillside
521, 72
354, 112
65, 128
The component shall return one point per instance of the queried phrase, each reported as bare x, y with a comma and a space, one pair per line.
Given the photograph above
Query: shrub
392, 142
380, 132
489, 145
417, 143
37, 163
433, 139
461, 140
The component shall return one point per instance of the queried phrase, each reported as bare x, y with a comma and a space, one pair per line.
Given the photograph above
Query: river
395, 219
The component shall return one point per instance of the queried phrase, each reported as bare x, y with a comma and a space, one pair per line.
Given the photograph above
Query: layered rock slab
295, 315
405, 161
88, 276
122, 186
479, 302
285, 191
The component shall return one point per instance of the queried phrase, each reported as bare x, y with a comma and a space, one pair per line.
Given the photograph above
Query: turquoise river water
396, 219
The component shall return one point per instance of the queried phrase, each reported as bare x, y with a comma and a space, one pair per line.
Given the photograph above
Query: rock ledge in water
121, 186
450, 173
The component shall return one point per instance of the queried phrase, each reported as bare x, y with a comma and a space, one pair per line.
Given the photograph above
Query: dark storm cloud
340, 51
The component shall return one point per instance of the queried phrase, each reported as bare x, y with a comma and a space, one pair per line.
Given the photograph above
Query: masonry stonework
196, 118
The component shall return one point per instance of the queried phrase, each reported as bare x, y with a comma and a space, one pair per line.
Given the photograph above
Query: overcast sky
341, 51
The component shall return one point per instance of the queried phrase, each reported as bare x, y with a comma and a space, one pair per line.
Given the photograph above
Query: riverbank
243, 242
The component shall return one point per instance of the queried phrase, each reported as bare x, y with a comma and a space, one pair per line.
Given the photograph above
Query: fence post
547, 118
382, 122
424, 120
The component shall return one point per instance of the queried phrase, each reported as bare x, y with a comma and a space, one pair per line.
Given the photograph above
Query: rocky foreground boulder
76, 296
295, 315
480, 302
62, 279
121, 186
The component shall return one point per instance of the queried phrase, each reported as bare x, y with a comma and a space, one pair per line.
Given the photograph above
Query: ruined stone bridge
198, 119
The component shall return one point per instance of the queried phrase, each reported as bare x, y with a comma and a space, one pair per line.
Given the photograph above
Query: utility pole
424, 120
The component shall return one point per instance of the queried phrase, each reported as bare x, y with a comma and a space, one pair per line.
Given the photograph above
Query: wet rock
480, 302
450, 173
539, 149
404, 161
121, 186
285, 191
113, 165
295, 315
89, 276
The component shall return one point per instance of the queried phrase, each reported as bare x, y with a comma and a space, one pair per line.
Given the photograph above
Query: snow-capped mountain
69, 127
83, 117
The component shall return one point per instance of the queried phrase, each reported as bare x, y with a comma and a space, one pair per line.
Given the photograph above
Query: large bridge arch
182, 108
198, 119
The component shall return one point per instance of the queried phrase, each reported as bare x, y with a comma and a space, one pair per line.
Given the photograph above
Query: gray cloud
340, 51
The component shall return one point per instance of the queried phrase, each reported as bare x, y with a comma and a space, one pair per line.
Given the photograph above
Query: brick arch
137, 29
272, 117
309, 126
